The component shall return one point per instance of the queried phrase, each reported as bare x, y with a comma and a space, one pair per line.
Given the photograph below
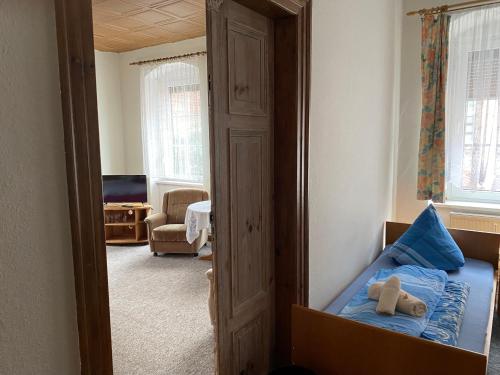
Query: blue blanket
426, 284
444, 324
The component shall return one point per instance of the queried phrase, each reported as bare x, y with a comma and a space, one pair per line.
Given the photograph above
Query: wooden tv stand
124, 223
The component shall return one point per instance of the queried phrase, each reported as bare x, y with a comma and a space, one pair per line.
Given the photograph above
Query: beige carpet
159, 315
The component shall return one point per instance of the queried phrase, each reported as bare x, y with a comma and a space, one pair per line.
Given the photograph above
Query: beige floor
159, 316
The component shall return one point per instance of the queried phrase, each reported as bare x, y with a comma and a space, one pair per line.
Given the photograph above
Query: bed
329, 344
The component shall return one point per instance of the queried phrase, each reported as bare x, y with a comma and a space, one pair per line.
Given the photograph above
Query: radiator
482, 223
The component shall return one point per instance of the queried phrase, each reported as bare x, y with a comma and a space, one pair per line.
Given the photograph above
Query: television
124, 189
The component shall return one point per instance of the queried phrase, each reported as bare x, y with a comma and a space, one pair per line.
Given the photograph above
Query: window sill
178, 183
470, 206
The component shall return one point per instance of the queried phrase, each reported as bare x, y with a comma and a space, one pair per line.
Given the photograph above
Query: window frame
454, 193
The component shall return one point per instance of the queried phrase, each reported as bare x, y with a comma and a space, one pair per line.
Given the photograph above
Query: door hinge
212, 226
209, 91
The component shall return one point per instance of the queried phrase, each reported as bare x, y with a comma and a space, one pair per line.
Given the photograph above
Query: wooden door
240, 63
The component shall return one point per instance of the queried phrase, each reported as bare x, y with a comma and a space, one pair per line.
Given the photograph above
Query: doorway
238, 349
152, 99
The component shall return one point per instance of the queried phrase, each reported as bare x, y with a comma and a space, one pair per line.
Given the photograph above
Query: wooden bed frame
328, 344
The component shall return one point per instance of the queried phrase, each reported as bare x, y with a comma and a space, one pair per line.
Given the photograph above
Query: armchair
167, 231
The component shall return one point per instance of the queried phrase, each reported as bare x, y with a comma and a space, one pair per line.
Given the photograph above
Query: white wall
38, 329
355, 50
407, 206
109, 103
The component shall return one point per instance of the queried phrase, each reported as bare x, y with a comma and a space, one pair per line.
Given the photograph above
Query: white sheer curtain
172, 121
473, 126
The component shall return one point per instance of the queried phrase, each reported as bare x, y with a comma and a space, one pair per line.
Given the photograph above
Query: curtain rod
199, 53
453, 8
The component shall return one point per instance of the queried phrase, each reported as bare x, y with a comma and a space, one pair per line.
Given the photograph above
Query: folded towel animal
389, 296
407, 303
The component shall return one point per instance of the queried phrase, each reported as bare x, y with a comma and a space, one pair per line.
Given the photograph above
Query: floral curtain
431, 163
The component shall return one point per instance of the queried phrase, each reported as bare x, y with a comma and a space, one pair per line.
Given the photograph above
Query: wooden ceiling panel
139, 37
118, 7
102, 16
180, 9
124, 25
198, 18
151, 3
107, 31
151, 17
179, 27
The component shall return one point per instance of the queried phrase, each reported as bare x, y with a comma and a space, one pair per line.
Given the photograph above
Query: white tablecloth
197, 218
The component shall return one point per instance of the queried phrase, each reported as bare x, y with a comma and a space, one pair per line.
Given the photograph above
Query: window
472, 125
171, 121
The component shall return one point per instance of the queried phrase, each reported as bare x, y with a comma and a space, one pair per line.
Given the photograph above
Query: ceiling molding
214, 4
125, 25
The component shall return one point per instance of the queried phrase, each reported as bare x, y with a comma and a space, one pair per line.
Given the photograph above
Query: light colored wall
355, 49
407, 206
109, 103
38, 329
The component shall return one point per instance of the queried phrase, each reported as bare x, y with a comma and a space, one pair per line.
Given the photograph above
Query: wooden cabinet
124, 224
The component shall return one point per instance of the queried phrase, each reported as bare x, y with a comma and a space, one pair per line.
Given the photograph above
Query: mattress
478, 274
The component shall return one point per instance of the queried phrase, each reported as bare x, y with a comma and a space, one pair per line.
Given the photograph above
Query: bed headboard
478, 245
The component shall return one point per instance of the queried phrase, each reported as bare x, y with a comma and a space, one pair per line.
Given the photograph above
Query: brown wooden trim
81, 138
306, 23
277, 8
328, 344
269, 8
292, 106
291, 7
292, 88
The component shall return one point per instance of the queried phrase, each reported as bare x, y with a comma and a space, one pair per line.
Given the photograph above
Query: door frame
83, 168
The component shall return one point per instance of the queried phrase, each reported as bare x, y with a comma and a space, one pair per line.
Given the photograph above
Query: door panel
247, 70
249, 237
241, 124
248, 357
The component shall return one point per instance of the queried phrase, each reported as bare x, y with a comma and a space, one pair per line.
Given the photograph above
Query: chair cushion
427, 243
175, 203
170, 233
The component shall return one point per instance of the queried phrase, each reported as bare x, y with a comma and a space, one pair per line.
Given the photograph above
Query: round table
197, 219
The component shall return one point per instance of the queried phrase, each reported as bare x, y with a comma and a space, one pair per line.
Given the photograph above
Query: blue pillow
427, 243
